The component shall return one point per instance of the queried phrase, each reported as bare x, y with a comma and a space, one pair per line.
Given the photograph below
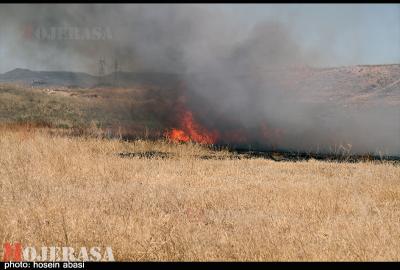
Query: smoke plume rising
236, 77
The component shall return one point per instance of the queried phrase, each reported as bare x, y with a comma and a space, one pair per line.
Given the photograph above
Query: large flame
191, 131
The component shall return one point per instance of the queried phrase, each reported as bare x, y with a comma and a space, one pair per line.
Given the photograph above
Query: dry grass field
77, 191
118, 110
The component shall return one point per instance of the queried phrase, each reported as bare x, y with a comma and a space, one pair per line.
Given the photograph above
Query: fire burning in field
191, 131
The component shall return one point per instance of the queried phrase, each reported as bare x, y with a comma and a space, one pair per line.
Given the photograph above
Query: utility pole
102, 64
116, 70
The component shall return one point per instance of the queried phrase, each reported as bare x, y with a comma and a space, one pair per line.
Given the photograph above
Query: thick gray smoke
165, 38
236, 75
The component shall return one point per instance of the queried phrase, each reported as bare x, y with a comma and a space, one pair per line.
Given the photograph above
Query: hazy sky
356, 33
342, 34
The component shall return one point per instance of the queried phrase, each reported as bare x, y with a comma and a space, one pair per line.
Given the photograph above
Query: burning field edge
211, 151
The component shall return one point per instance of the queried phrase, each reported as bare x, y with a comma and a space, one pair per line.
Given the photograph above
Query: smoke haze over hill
236, 76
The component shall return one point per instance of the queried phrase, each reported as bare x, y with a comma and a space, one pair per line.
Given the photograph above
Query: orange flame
178, 135
191, 131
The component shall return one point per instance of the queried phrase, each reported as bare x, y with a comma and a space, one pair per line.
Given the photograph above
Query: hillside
84, 80
148, 104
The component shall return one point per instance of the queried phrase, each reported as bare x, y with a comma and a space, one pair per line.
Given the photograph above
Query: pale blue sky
355, 33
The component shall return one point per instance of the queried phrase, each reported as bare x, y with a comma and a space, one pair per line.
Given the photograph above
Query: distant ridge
341, 83
49, 78
85, 80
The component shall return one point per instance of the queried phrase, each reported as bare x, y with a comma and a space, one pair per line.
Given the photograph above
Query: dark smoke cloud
235, 78
143, 37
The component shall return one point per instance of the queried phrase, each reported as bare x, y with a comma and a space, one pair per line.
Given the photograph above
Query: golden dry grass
61, 191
